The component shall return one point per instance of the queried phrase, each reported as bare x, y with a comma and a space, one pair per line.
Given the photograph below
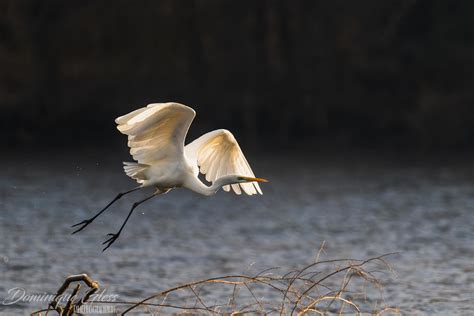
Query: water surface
361, 207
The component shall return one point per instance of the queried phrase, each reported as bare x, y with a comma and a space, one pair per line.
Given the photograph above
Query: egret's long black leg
114, 237
86, 222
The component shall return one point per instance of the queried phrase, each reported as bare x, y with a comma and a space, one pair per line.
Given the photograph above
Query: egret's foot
110, 241
84, 224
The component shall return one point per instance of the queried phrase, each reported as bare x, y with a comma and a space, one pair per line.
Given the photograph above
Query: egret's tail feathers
135, 170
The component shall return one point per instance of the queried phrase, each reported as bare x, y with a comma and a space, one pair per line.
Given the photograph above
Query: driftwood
72, 304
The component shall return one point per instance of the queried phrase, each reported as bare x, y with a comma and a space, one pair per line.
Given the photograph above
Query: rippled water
361, 208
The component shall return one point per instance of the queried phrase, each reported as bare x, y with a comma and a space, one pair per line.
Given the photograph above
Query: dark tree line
382, 73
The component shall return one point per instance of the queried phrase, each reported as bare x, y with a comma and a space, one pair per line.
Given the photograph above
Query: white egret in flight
156, 136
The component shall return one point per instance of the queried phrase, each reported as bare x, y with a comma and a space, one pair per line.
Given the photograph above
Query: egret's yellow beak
250, 179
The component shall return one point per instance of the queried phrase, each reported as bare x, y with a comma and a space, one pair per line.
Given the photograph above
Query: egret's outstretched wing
156, 131
217, 154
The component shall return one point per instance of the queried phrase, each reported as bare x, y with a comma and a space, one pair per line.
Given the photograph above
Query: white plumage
218, 154
156, 136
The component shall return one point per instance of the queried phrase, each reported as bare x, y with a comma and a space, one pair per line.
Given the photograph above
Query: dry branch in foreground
329, 287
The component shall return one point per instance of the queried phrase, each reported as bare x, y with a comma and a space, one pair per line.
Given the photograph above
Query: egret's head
242, 179
234, 179
237, 179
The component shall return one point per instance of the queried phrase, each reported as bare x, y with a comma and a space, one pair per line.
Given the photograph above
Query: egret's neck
197, 186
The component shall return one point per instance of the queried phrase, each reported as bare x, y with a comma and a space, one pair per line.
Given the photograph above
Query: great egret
156, 136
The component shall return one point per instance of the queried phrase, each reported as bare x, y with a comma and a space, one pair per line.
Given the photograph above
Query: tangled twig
331, 288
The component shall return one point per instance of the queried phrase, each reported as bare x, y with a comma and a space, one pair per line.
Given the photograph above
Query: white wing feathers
159, 130
156, 131
218, 154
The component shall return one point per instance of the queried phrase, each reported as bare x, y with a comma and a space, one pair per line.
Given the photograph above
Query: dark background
306, 74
